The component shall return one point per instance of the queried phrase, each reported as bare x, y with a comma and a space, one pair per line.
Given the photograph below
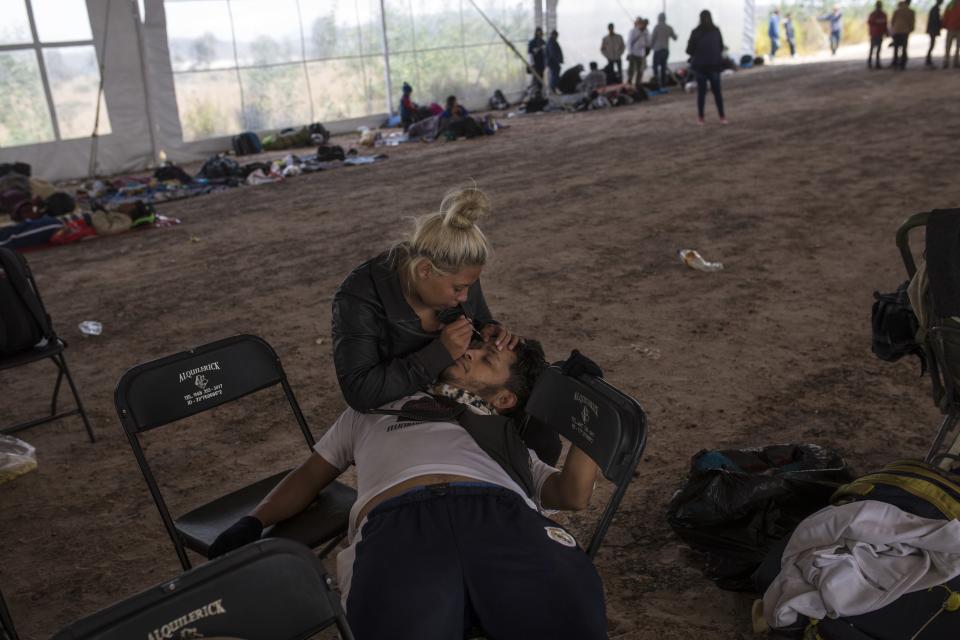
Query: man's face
483, 370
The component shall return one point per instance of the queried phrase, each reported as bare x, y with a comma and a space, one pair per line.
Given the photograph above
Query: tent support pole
144, 74
386, 57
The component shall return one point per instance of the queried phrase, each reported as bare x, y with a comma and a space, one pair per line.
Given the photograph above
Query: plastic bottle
91, 328
694, 260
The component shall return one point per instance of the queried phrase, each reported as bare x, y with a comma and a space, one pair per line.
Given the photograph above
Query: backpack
22, 321
218, 168
498, 101
319, 133
327, 153
246, 143
895, 327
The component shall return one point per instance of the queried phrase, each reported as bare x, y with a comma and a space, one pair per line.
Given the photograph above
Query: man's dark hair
610, 26
524, 371
450, 101
593, 66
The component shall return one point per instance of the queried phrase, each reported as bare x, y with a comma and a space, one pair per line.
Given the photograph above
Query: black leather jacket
382, 354
380, 351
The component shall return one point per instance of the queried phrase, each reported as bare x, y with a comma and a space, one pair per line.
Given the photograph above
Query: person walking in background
901, 25
773, 30
836, 27
662, 34
705, 49
791, 35
553, 55
637, 44
535, 56
612, 49
877, 25
951, 22
933, 29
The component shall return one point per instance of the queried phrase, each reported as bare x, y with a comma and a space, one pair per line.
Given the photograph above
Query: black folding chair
7, 632
164, 391
603, 422
268, 590
942, 346
51, 347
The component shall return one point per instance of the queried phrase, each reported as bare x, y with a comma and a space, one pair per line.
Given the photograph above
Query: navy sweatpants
433, 562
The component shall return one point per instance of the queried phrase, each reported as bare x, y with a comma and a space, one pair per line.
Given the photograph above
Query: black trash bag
736, 504
219, 168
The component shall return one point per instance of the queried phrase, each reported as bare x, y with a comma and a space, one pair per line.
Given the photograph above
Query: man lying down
441, 535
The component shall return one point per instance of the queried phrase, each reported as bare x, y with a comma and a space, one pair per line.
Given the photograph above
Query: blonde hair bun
463, 208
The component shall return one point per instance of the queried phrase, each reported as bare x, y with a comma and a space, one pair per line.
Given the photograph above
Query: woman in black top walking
705, 49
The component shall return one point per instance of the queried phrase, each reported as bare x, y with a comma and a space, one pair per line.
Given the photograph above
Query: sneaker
700, 121
724, 121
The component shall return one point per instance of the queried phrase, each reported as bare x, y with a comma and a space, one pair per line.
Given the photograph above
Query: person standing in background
773, 30
612, 49
553, 56
951, 22
637, 44
535, 56
836, 27
662, 34
791, 35
902, 24
933, 29
705, 49
877, 24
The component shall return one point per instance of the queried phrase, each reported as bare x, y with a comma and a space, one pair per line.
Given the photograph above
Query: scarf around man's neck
462, 396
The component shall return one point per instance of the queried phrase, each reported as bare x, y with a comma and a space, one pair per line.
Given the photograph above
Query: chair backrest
20, 278
164, 391
943, 333
157, 393
273, 589
603, 422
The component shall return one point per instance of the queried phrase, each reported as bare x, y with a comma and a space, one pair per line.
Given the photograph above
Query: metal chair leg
946, 427
56, 387
76, 397
7, 632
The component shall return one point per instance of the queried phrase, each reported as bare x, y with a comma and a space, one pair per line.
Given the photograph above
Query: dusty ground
799, 197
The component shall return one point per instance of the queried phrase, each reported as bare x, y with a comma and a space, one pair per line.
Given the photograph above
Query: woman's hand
500, 336
456, 336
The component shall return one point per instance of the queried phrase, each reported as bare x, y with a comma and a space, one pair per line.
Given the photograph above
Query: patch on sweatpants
559, 535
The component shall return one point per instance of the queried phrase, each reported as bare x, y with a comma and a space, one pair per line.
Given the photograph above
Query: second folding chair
165, 391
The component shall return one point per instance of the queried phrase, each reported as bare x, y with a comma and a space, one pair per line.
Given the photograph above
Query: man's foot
700, 120
724, 120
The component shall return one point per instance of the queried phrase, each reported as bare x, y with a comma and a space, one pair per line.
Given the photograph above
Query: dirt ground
799, 197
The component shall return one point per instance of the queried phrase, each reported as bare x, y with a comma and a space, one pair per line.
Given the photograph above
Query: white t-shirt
388, 450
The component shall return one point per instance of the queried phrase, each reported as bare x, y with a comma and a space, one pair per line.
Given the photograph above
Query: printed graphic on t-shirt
402, 425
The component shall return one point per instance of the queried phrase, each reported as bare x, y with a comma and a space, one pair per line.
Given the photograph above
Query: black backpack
23, 322
895, 327
246, 143
219, 168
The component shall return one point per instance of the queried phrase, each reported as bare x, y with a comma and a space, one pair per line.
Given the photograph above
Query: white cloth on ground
859, 557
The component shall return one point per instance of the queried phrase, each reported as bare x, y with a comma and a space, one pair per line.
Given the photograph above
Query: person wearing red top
877, 23
951, 22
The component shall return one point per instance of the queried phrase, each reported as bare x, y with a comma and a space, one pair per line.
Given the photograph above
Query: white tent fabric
440, 46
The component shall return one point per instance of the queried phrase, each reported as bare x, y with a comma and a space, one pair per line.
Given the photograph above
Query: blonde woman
404, 316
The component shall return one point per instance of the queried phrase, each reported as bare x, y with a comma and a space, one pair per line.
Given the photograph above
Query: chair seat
323, 520
48, 350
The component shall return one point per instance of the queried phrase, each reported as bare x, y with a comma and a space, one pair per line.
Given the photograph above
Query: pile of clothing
49, 230
882, 562
23, 197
